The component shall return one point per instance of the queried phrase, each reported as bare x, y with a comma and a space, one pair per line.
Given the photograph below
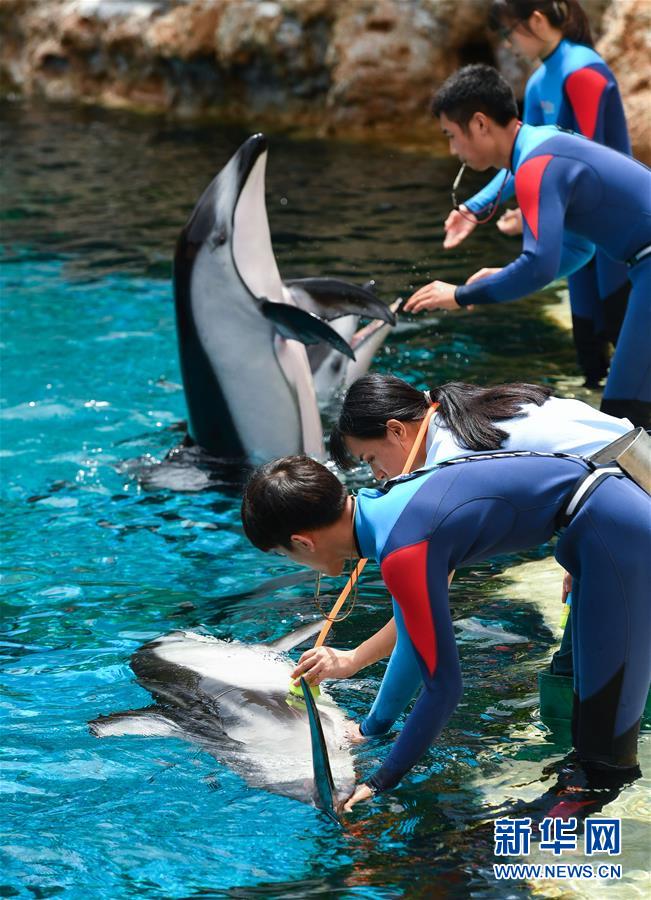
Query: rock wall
333, 66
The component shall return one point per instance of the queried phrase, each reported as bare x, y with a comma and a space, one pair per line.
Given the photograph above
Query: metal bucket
632, 453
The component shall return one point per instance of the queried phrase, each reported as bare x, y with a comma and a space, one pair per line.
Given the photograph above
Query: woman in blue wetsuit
574, 89
423, 526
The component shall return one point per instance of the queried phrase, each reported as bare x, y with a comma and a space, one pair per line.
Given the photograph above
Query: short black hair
289, 495
475, 88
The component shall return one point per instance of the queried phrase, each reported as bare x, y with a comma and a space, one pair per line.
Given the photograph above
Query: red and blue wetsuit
564, 184
574, 88
421, 527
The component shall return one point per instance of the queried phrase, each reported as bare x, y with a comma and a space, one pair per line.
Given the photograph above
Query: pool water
93, 565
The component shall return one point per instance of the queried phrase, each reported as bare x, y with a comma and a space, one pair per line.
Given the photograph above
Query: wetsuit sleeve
594, 107
532, 112
480, 201
543, 187
401, 681
418, 578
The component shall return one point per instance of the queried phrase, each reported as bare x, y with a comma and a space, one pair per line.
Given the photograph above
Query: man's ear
302, 542
396, 427
480, 122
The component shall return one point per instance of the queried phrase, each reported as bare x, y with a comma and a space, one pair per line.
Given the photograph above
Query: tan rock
364, 66
626, 47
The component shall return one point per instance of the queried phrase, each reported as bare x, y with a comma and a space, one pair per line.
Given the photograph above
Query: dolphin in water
243, 332
232, 700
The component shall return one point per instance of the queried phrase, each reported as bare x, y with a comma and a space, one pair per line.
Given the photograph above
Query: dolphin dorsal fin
295, 638
323, 780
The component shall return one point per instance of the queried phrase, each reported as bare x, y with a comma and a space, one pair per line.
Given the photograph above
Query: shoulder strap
495, 454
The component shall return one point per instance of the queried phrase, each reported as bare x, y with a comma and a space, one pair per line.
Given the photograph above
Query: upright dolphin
231, 699
241, 330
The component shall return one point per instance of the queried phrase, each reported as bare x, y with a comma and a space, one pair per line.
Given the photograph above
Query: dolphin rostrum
243, 332
231, 699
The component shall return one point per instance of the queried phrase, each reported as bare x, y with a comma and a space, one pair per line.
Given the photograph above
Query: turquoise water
93, 565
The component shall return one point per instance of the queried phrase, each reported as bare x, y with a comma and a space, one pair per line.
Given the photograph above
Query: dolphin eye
219, 239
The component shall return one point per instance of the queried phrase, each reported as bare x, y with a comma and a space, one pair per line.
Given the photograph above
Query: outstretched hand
511, 222
435, 295
458, 225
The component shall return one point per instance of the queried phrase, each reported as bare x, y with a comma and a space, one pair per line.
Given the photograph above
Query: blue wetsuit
421, 527
564, 181
574, 88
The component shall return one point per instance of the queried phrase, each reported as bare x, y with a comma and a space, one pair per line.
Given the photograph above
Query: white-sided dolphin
231, 699
242, 331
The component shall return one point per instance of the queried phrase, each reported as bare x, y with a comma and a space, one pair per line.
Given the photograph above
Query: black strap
497, 454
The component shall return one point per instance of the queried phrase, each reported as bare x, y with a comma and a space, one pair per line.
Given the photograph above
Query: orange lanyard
357, 571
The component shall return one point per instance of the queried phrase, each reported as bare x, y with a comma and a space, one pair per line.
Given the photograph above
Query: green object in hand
295, 695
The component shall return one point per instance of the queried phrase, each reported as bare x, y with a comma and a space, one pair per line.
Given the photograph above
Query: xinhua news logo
601, 838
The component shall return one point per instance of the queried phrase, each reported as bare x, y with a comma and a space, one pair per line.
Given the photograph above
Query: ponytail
470, 412
467, 411
567, 15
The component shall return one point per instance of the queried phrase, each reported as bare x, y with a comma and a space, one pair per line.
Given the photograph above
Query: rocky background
353, 67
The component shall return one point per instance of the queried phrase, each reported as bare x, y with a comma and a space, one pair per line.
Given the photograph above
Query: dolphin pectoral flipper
323, 780
330, 298
298, 325
148, 722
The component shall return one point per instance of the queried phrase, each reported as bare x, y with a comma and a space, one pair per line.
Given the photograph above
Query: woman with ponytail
379, 420
574, 89
381, 415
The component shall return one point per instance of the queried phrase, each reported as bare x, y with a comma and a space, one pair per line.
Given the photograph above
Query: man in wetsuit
569, 189
421, 527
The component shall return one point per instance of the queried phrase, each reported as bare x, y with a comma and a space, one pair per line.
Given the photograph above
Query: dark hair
475, 88
568, 15
291, 494
469, 412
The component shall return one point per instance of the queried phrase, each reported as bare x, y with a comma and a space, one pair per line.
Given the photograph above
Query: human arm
399, 684
418, 580
543, 187
502, 186
321, 663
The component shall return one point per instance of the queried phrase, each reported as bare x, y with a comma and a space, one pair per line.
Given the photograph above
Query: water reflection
93, 566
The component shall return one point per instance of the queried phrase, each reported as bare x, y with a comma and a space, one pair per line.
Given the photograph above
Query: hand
567, 586
320, 663
354, 733
482, 273
458, 227
511, 222
436, 295
361, 792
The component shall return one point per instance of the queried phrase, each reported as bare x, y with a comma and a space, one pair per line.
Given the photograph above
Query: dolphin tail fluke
323, 780
298, 325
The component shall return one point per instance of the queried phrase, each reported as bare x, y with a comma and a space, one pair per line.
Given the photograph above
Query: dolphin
231, 699
243, 332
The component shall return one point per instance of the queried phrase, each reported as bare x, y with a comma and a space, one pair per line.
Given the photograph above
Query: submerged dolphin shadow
231, 699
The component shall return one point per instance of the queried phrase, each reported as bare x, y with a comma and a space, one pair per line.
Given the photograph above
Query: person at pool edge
423, 526
572, 87
378, 423
568, 188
